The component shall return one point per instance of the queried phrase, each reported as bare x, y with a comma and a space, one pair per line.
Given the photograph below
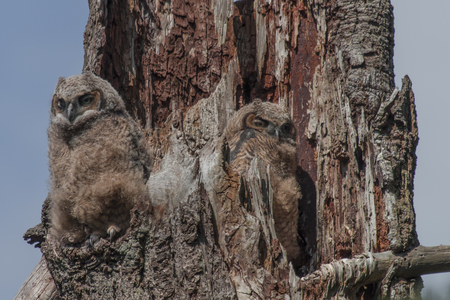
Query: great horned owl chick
265, 129
98, 160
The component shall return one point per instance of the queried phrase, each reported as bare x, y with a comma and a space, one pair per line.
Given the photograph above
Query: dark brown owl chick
265, 129
98, 160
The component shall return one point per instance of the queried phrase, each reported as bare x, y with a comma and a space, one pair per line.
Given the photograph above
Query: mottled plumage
98, 160
265, 129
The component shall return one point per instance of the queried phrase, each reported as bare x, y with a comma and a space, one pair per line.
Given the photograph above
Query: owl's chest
250, 143
101, 149
245, 145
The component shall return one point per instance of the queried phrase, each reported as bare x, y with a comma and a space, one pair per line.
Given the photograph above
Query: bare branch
348, 275
39, 285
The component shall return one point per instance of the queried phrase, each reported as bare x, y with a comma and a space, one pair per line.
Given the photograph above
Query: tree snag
183, 68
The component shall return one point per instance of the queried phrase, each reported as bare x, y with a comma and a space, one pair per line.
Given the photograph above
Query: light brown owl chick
265, 129
98, 160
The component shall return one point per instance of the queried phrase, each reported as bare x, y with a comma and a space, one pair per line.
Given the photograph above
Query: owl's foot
93, 238
112, 231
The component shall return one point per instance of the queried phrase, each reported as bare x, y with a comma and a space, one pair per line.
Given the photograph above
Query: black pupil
259, 123
86, 100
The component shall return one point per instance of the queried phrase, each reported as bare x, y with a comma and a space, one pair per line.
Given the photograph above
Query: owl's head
265, 117
274, 127
81, 97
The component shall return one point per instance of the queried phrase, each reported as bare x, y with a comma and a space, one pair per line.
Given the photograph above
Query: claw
112, 231
93, 238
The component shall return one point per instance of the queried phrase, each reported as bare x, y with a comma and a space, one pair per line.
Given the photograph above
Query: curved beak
70, 112
273, 130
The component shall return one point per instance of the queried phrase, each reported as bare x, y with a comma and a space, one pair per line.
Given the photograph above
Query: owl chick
266, 130
98, 160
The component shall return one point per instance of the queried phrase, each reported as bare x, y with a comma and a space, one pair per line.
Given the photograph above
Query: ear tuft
61, 80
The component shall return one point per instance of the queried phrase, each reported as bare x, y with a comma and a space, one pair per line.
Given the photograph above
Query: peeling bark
384, 268
183, 68
365, 143
39, 285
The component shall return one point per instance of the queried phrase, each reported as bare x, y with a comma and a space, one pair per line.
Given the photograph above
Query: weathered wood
39, 285
419, 261
356, 272
365, 167
370, 268
175, 257
330, 63
183, 67
257, 263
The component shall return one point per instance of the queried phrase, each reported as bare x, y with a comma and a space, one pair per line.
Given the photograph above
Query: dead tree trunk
183, 67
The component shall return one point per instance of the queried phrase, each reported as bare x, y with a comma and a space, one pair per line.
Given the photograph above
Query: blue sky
422, 51
39, 41
42, 40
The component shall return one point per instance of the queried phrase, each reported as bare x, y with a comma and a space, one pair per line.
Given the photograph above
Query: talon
112, 230
93, 238
111, 234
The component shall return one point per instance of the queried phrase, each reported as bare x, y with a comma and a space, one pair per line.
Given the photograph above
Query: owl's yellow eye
85, 100
61, 104
259, 123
